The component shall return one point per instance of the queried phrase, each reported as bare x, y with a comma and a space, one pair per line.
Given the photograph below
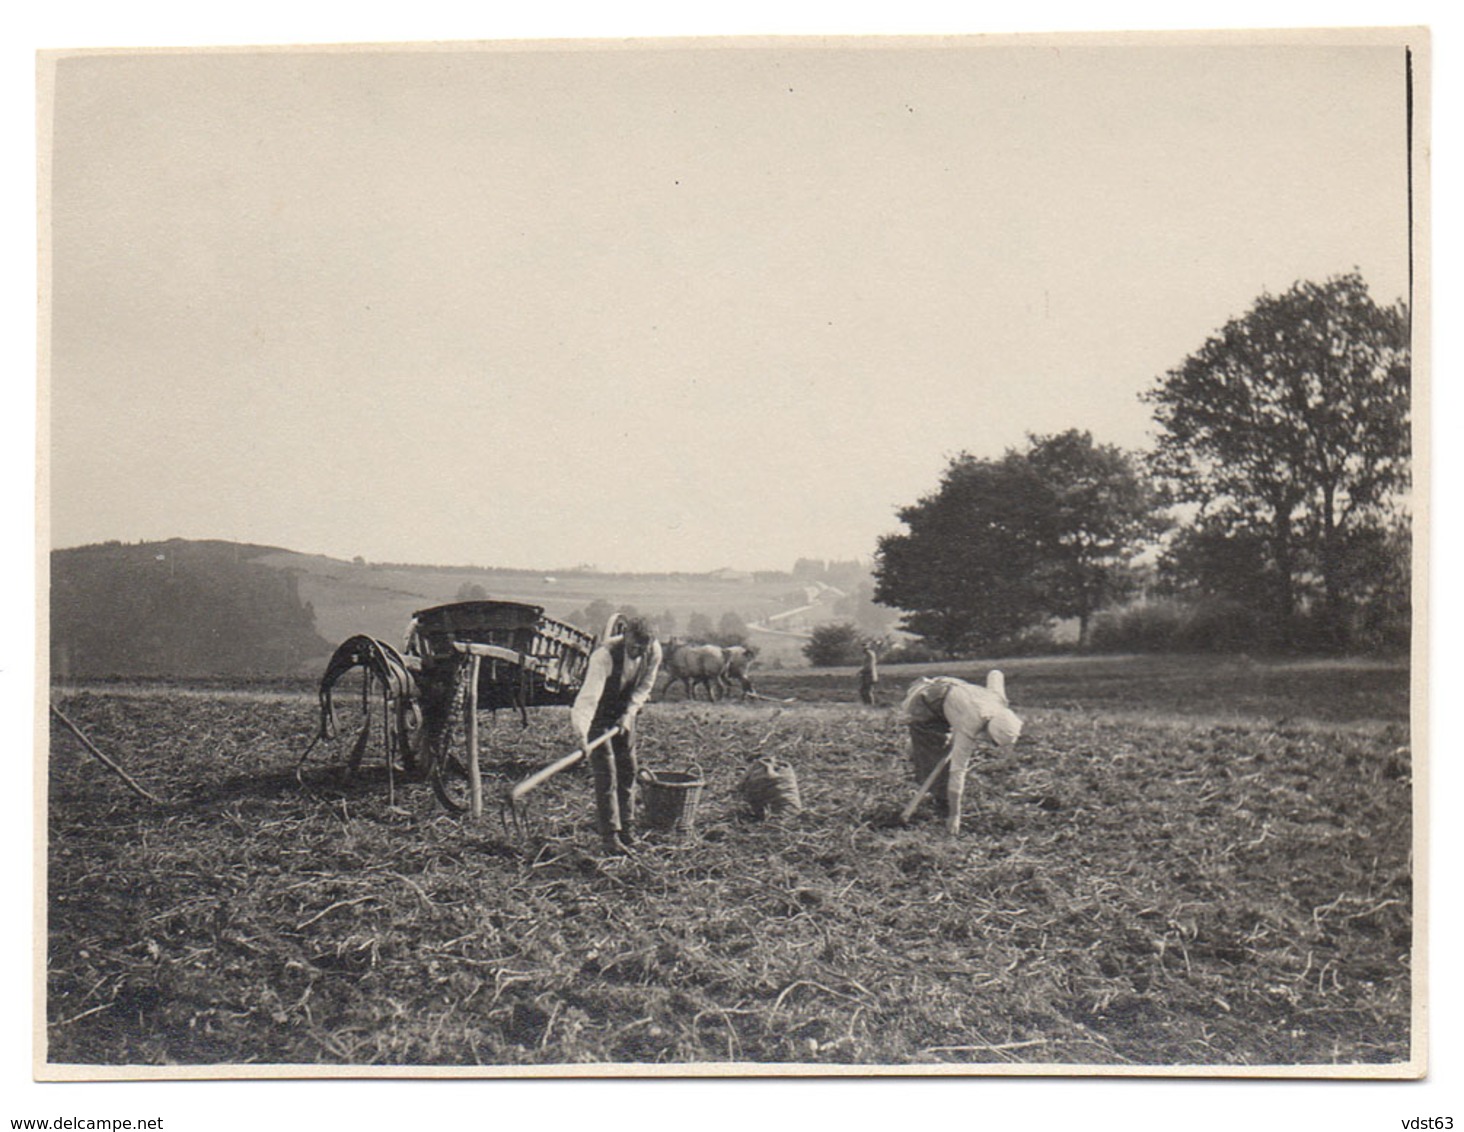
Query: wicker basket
669, 799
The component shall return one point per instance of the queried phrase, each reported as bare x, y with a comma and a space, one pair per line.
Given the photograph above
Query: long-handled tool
909, 811
105, 761
771, 699
510, 807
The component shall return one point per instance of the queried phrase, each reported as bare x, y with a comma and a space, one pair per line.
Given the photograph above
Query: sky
661, 308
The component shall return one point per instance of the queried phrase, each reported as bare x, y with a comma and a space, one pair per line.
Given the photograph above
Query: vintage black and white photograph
735, 557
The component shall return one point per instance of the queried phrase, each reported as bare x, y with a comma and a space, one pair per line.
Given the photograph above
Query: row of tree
1279, 484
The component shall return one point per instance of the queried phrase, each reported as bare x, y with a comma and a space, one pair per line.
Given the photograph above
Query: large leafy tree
964, 568
1098, 511
1289, 429
1001, 544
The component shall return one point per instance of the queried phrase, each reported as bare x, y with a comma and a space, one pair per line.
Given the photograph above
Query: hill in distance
187, 607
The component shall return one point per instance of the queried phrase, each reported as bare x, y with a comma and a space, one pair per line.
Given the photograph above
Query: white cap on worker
1004, 727
996, 684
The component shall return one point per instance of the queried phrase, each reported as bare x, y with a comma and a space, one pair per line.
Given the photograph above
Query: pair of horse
711, 666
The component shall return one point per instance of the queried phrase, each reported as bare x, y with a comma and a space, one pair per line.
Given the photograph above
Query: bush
731, 631
1040, 640
1219, 625
834, 645
1144, 626
1384, 629
915, 651
1174, 625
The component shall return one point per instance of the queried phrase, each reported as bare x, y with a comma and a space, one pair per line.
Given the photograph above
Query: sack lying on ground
770, 786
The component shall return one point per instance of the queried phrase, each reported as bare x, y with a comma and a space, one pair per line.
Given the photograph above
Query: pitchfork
925, 787
508, 810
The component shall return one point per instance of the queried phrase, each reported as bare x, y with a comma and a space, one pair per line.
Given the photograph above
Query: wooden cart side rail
556, 634
570, 656
554, 673
498, 652
565, 649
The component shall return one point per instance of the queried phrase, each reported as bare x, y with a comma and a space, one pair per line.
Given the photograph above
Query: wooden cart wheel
448, 771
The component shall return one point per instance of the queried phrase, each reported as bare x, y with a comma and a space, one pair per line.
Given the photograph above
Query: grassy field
1183, 862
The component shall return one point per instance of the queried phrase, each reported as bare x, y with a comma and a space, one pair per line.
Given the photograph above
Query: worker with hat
947, 718
618, 681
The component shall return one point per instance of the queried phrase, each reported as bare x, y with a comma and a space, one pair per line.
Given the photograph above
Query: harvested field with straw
1153, 876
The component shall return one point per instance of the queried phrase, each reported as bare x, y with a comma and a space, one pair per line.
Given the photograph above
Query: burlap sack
770, 786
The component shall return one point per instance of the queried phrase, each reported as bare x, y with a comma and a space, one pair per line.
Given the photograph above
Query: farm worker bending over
946, 717
618, 682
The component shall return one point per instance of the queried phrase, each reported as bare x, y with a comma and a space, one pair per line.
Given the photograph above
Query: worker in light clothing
618, 682
945, 714
868, 675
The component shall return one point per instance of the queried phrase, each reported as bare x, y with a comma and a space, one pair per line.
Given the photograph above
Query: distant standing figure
943, 713
618, 682
868, 675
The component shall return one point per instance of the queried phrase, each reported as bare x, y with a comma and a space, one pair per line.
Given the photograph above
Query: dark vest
616, 696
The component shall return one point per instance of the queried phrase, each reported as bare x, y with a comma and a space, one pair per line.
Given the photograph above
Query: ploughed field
1183, 862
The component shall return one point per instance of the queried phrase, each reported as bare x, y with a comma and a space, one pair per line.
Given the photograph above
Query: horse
695, 664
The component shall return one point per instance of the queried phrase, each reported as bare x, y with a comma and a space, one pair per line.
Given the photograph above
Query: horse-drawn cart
458, 659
